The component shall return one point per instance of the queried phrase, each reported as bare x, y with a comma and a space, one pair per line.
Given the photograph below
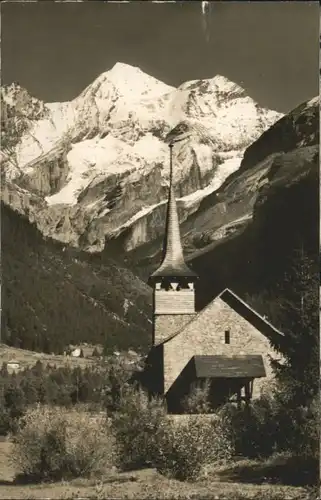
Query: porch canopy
226, 374
219, 366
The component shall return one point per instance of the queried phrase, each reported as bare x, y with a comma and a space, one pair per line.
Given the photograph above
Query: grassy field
27, 358
242, 480
148, 484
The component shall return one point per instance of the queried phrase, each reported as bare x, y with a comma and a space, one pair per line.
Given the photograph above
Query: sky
55, 50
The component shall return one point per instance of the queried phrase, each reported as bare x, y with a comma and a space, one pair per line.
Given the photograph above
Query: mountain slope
98, 164
242, 234
51, 297
241, 215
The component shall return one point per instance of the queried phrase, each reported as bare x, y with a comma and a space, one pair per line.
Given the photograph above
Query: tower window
227, 337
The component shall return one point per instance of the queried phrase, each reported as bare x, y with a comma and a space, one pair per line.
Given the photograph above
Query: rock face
282, 156
256, 216
96, 168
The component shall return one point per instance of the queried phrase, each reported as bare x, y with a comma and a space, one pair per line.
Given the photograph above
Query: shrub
13, 405
250, 426
310, 431
55, 443
268, 427
5, 421
179, 448
118, 374
136, 425
197, 401
188, 445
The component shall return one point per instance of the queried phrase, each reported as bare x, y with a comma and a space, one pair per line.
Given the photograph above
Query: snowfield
116, 132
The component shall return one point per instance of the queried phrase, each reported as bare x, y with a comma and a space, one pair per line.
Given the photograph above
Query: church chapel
226, 344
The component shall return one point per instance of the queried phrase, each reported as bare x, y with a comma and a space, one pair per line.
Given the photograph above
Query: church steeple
173, 264
173, 281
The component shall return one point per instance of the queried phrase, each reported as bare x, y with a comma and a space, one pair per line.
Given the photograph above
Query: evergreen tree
14, 400
38, 368
52, 391
29, 388
65, 395
4, 371
95, 353
298, 301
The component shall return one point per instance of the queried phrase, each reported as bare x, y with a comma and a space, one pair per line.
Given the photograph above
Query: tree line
97, 386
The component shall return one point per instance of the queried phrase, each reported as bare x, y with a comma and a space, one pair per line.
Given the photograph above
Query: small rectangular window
227, 336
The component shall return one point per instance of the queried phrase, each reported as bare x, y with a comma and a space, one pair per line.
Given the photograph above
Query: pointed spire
173, 264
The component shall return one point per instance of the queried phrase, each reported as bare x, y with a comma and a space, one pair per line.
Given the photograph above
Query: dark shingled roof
242, 308
219, 366
173, 264
174, 270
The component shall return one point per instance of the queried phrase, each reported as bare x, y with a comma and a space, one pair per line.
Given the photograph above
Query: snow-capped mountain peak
130, 82
218, 83
101, 160
313, 102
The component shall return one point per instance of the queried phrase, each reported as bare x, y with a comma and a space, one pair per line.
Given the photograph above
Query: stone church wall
166, 325
206, 335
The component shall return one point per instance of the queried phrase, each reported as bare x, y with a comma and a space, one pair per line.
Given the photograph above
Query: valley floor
145, 484
27, 358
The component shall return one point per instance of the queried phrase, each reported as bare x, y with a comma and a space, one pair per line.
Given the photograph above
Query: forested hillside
51, 297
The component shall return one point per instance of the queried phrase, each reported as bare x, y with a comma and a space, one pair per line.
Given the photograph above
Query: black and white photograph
160, 247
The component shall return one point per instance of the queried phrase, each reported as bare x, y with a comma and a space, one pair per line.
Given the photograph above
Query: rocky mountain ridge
231, 230
89, 169
241, 218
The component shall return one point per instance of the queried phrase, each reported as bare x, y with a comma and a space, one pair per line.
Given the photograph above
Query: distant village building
13, 366
227, 344
74, 352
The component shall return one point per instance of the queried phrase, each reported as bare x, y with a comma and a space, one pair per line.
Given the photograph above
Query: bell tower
173, 282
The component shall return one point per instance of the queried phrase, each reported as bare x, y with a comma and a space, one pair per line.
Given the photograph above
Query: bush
136, 425
118, 374
197, 401
254, 429
147, 437
13, 406
268, 426
187, 446
56, 443
305, 441
5, 421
